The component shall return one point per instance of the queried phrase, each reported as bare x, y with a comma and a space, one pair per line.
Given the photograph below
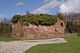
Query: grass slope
72, 46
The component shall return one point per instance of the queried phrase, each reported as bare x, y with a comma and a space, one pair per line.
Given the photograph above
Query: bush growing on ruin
36, 19
15, 18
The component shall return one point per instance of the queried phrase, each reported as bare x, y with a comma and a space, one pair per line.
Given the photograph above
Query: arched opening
61, 24
56, 30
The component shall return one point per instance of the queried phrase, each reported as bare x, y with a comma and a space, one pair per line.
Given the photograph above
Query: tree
15, 18
5, 27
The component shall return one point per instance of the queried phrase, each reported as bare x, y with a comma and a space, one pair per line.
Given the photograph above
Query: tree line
5, 27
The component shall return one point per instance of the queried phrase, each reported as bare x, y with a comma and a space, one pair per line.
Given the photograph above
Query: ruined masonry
32, 31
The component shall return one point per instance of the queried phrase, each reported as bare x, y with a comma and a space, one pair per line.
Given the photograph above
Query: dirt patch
22, 46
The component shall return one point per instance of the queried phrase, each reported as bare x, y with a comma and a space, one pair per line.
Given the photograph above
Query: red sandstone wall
37, 31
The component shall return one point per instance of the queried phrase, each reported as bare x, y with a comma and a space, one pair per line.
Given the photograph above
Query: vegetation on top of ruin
37, 19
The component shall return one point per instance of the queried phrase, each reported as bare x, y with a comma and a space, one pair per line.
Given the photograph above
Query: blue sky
8, 8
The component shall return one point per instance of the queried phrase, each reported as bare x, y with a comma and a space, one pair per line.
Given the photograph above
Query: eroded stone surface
33, 31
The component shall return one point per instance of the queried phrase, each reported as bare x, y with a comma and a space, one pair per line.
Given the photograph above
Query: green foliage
6, 38
15, 18
36, 19
40, 19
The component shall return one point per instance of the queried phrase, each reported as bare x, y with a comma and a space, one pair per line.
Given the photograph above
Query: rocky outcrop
32, 31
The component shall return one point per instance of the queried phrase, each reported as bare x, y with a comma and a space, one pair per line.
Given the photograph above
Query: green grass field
6, 38
72, 46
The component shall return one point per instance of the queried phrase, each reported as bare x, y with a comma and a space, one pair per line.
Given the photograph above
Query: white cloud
19, 3
70, 6
45, 8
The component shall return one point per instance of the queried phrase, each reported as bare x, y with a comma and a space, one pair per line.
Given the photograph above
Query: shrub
36, 19
40, 19
15, 19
